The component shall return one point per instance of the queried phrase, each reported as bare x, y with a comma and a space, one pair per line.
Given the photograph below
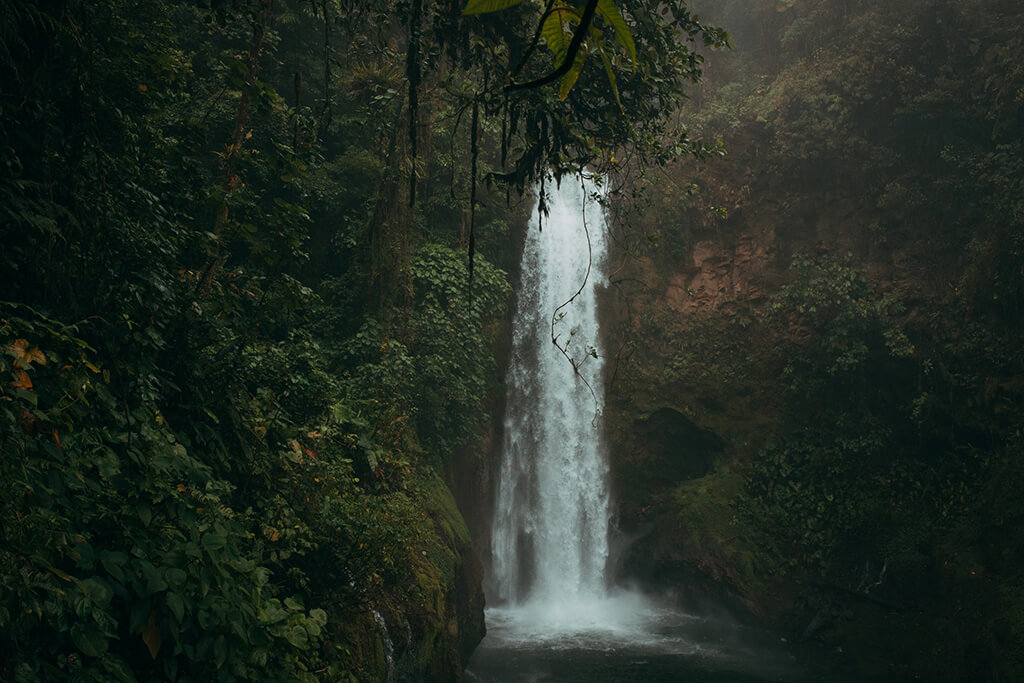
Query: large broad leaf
88, 640
176, 605
220, 651
485, 6
114, 563
297, 636
554, 31
611, 76
569, 79
594, 38
152, 637
97, 590
610, 13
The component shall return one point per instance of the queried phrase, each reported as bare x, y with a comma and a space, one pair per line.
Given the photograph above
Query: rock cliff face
447, 618
674, 445
719, 274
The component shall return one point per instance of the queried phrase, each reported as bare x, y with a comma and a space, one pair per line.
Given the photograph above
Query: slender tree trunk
327, 112
260, 22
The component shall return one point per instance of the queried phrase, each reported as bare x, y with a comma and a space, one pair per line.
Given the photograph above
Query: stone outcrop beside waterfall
425, 631
692, 396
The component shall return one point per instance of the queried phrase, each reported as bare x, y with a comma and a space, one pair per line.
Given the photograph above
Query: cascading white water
550, 535
549, 542
551, 615
389, 646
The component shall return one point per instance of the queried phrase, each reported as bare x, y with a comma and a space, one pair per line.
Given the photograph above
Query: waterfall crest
550, 534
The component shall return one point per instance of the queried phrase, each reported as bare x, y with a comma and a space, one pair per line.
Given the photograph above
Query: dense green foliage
238, 343
851, 278
906, 117
198, 468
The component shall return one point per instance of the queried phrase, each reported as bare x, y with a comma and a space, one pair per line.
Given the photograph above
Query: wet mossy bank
701, 539
424, 630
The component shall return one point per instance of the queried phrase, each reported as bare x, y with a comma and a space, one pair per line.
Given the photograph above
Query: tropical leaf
23, 382
569, 79
486, 6
611, 79
555, 34
610, 13
88, 640
151, 636
176, 605
24, 355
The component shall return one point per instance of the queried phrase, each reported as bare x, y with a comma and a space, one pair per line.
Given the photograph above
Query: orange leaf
56, 439
24, 354
151, 636
28, 422
23, 381
18, 347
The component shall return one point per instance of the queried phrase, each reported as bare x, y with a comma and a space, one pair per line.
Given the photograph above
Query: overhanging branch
570, 55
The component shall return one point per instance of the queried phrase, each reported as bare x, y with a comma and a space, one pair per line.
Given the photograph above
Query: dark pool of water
627, 640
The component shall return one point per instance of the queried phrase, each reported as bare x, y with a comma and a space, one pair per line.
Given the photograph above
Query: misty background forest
258, 268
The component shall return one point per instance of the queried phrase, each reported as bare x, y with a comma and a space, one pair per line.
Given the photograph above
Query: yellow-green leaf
151, 637
610, 13
569, 79
555, 35
611, 77
486, 6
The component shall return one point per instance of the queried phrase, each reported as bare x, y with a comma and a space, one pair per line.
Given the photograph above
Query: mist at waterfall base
552, 616
626, 637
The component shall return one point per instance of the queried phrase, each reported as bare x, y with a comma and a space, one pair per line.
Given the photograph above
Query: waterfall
550, 534
389, 646
552, 615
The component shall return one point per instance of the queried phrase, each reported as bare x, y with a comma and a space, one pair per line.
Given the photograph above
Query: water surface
625, 638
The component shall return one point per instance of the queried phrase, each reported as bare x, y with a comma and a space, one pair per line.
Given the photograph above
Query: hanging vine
414, 75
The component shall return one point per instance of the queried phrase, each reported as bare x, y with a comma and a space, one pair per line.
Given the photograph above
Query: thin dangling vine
474, 151
413, 73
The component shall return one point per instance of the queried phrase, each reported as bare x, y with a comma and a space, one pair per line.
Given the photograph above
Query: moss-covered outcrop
426, 628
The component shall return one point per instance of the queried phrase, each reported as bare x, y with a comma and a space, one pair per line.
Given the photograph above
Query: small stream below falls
552, 615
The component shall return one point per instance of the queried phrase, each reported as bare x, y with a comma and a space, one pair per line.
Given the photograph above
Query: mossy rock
445, 606
436, 617
701, 548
